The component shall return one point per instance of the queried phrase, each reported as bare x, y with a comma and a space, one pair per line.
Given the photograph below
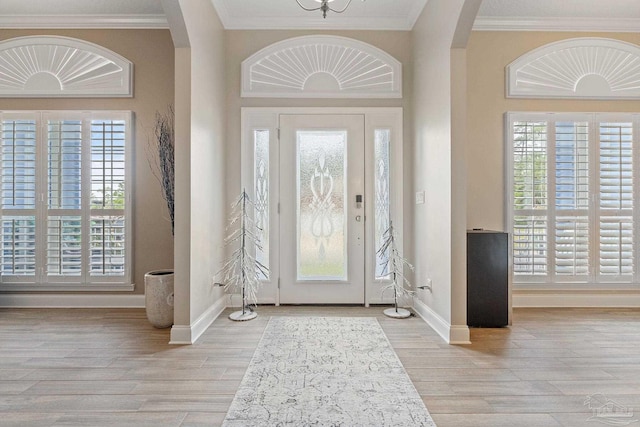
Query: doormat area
326, 371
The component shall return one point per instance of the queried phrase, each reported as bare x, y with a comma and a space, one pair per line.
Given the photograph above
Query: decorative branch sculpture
242, 271
393, 266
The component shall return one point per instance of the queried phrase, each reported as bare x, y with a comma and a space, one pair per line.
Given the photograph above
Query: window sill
104, 287
577, 288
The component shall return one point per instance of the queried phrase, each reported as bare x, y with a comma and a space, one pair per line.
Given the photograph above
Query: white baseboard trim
189, 334
452, 334
576, 299
180, 334
459, 334
34, 300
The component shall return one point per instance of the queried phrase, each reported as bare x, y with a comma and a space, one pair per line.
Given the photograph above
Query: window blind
616, 195
18, 188
530, 224
65, 198
571, 199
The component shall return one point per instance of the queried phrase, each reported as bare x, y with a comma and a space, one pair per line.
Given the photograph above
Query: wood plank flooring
95, 367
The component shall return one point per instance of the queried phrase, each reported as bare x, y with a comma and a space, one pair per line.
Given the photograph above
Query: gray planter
158, 297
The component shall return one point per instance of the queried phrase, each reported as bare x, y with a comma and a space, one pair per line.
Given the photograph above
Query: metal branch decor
393, 265
242, 272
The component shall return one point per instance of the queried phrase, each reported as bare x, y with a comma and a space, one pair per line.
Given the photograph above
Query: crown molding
223, 12
415, 13
335, 23
487, 23
84, 21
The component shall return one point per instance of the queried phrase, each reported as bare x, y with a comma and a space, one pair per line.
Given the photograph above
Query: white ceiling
605, 15
559, 15
277, 14
605, 9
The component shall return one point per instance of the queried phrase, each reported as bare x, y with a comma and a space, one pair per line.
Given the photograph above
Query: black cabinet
487, 279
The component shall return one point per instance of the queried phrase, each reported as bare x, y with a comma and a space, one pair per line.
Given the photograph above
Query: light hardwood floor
110, 367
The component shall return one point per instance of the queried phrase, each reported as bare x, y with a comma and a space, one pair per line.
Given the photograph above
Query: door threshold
322, 305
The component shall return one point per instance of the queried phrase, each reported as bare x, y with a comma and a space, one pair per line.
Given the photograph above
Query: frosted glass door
321, 217
322, 223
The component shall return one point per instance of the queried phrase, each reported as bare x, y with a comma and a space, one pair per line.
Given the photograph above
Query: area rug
326, 371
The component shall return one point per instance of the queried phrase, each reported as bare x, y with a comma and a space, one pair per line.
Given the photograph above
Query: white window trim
107, 283
547, 282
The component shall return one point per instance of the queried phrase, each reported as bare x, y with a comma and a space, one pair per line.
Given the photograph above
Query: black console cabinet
487, 279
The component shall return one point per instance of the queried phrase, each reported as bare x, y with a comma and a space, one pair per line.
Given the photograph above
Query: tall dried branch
161, 157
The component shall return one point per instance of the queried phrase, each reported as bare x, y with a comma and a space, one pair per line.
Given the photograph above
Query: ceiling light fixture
324, 7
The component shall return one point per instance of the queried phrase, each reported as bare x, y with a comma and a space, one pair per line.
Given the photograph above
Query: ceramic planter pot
158, 297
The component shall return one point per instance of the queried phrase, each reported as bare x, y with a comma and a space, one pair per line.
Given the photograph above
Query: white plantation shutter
530, 228
572, 246
18, 187
108, 239
64, 245
65, 200
571, 170
615, 209
572, 211
616, 166
616, 247
530, 245
18, 245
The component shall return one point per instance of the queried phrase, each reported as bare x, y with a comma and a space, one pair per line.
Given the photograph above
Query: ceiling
605, 15
276, 14
559, 15
605, 9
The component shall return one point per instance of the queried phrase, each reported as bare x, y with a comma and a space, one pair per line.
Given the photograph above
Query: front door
322, 209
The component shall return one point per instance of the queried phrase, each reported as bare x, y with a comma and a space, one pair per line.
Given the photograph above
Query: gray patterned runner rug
326, 371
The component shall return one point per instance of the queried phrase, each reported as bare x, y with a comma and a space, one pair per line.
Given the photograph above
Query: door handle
358, 201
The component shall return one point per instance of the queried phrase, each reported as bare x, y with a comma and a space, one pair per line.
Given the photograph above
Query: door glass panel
261, 189
321, 213
383, 201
